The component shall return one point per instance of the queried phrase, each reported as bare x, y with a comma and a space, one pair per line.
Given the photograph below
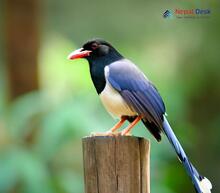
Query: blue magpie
127, 94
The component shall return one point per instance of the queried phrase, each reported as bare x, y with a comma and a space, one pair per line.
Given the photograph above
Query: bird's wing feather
136, 90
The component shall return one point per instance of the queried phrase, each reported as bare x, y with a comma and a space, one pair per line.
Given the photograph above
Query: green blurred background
47, 103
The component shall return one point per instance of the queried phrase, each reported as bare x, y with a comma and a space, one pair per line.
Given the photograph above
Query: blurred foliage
40, 132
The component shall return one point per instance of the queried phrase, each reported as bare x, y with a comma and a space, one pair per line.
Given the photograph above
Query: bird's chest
114, 103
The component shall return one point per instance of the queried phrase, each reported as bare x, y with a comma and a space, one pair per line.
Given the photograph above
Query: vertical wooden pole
116, 164
22, 19
22, 45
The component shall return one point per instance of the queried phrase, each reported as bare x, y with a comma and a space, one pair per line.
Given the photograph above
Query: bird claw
107, 133
125, 134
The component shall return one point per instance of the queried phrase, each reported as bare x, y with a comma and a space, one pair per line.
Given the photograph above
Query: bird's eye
94, 46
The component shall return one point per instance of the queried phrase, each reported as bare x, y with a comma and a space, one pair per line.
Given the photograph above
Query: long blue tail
201, 184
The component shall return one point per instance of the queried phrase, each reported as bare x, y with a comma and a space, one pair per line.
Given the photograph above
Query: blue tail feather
192, 172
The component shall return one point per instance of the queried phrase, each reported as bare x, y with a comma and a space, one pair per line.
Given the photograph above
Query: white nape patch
112, 100
205, 185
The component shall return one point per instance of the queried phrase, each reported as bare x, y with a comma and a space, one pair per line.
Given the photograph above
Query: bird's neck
97, 69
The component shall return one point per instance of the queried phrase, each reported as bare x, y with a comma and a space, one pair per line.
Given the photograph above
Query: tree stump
116, 164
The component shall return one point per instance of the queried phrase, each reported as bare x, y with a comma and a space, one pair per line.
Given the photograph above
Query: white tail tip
205, 185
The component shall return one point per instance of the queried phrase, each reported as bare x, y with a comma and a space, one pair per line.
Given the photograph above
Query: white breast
113, 101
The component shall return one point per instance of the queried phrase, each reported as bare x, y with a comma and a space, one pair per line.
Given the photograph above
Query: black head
96, 50
99, 54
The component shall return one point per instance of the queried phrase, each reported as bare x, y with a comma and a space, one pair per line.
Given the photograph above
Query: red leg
118, 125
128, 129
112, 130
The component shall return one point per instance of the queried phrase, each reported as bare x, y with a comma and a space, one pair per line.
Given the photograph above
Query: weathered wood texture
116, 164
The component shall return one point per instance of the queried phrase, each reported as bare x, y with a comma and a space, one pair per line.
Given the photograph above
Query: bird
127, 94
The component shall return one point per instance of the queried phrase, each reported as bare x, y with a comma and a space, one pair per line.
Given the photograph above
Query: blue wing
138, 92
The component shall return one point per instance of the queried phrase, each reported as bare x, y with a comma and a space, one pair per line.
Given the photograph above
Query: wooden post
22, 45
116, 164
